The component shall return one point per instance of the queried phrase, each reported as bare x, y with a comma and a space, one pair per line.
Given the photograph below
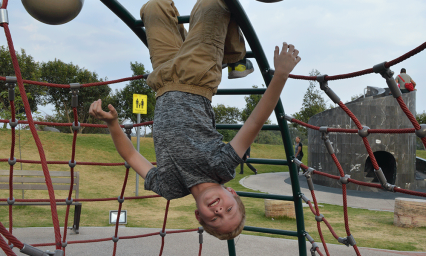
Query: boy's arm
284, 63
123, 145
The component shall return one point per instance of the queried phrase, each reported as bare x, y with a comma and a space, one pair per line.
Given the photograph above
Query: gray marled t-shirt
188, 148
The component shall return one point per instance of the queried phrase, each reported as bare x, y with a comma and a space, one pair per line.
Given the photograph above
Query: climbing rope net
363, 132
61, 240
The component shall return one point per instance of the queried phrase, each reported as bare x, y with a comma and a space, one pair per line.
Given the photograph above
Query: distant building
395, 153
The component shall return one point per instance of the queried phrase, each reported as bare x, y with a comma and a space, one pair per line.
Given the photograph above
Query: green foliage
269, 137
356, 96
251, 102
421, 118
123, 99
313, 103
227, 115
29, 71
58, 72
294, 132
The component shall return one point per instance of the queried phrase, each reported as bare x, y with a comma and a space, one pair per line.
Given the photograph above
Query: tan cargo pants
190, 62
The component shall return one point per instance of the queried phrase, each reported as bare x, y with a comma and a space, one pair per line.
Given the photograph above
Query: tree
227, 115
356, 96
62, 73
421, 119
30, 70
251, 102
313, 103
123, 99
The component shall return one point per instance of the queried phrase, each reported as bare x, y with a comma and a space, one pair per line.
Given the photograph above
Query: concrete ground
279, 183
247, 245
180, 244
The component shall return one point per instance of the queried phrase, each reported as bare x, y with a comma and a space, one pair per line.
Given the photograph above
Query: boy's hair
234, 233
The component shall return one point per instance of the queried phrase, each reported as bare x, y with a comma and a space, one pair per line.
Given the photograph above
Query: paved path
246, 245
180, 244
279, 183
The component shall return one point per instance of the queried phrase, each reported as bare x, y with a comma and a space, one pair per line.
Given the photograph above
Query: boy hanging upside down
187, 69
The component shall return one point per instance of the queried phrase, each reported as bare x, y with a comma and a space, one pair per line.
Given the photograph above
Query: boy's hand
97, 112
285, 61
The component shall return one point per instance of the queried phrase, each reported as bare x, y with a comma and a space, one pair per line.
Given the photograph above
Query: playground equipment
53, 12
267, 73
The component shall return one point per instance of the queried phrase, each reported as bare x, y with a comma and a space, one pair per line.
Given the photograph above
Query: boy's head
221, 212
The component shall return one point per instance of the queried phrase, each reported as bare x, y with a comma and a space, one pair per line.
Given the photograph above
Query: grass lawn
370, 228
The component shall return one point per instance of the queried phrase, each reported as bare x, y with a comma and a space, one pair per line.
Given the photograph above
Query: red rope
6, 247
67, 86
82, 125
121, 238
35, 136
12, 157
66, 162
117, 222
201, 247
10, 237
78, 199
4, 5
365, 71
305, 124
317, 213
52, 200
408, 113
163, 230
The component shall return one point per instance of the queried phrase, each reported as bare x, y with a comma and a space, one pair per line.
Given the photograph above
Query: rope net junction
61, 240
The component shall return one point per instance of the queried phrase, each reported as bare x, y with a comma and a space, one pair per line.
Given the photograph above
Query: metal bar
138, 147
252, 39
250, 54
267, 161
265, 196
127, 18
231, 248
241, 91
267, 127
181, 20
271, 231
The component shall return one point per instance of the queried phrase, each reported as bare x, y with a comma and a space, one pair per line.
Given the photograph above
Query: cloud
333, 36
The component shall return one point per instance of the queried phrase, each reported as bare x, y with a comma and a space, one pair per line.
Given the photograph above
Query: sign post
139, 107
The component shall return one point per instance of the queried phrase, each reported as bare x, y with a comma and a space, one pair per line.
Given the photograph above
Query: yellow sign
140, 105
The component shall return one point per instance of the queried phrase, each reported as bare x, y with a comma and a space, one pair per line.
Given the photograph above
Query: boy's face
217, 208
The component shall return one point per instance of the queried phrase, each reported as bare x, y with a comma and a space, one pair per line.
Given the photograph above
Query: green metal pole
268, 127
241, 91
252, 39
267, 161
257, 51
126, 17
271, 231
231, 248
265, 196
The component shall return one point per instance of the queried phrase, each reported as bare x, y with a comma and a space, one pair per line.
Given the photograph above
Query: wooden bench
34, 180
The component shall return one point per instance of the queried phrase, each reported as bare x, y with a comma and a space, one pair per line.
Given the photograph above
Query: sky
333, 36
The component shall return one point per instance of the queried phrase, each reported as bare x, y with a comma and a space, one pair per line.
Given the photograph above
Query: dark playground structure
395, 153
381, 169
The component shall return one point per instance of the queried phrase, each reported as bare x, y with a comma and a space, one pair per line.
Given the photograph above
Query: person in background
247, 155
406, 83
298, 149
